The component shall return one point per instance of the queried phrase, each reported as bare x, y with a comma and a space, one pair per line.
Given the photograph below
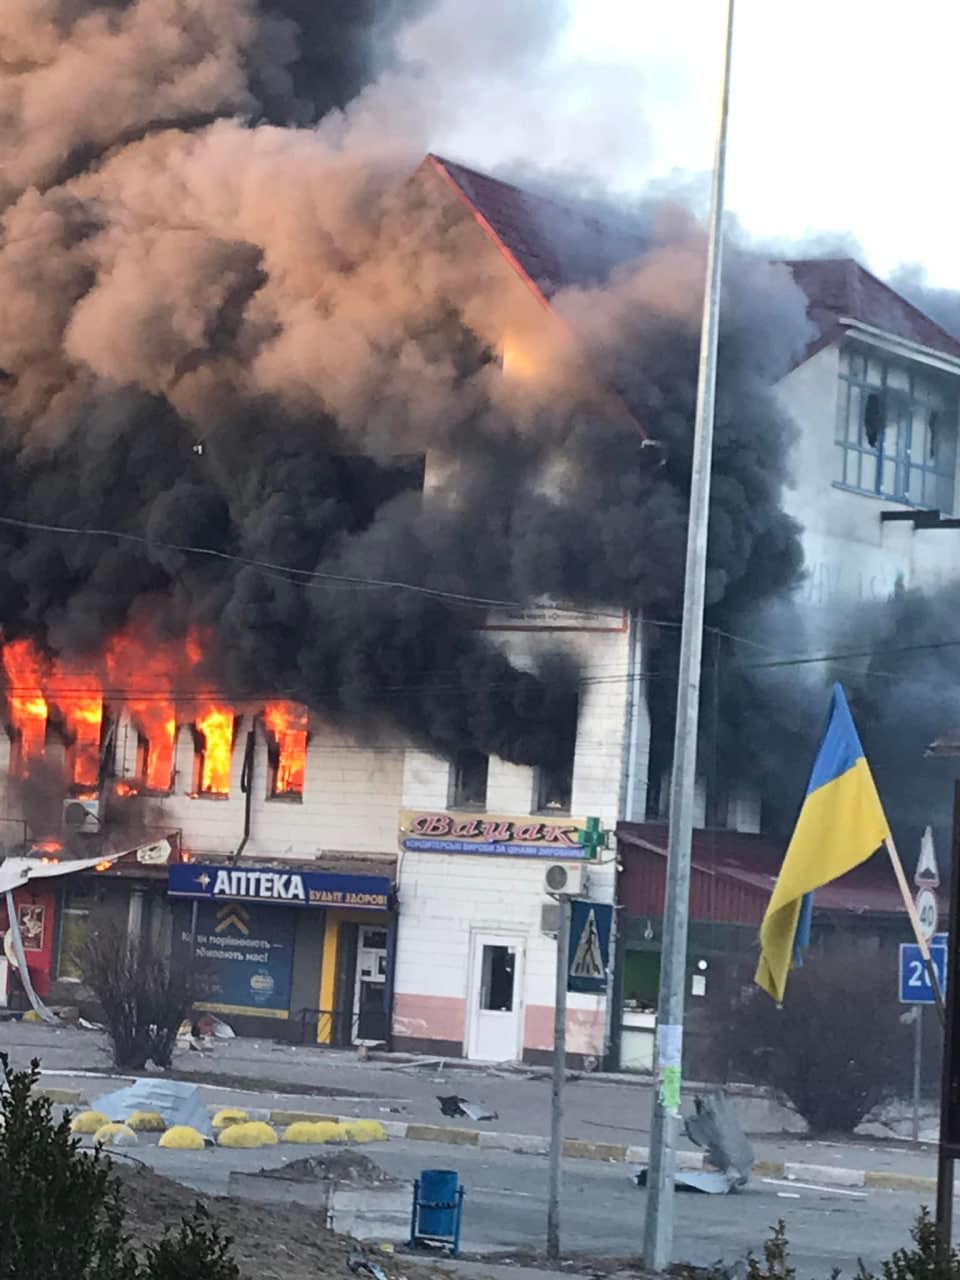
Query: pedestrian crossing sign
589, 957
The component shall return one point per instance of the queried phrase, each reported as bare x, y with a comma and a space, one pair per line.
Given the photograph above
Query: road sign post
559, 1075
583, 964
915, 984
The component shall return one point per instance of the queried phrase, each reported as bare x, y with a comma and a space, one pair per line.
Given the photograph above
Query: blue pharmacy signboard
589, 958
279, 886
243, 958
915, 985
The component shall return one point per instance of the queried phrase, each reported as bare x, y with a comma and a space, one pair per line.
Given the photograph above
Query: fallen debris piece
709, 1182
366, 1266
714, 1126
177, 1102
452, 1106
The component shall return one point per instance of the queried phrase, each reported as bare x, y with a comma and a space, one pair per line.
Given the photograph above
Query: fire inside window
155, 749
213, 759
287, 726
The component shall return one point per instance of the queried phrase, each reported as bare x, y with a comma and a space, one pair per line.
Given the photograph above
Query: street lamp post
658, 1236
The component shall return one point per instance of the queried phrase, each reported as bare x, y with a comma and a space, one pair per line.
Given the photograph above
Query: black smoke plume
233, 321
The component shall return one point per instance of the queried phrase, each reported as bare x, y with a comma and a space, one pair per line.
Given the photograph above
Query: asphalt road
603, 1211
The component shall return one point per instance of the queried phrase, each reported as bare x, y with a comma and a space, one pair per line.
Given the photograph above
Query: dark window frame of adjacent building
469, 776
896, 433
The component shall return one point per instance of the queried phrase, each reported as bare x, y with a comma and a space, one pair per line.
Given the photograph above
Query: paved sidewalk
606, 1119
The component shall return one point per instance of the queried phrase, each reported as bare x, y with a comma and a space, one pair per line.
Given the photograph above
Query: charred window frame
896, 431
468, 780
553, 782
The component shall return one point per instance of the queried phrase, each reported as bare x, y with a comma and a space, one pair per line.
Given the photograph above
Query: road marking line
813, 1186
505, 1191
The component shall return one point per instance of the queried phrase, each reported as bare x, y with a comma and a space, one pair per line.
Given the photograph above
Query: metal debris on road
452, 1106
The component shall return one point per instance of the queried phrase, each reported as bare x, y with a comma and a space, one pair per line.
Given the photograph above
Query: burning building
298, 432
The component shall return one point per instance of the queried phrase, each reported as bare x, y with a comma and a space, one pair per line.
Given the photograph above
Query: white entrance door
496, 1008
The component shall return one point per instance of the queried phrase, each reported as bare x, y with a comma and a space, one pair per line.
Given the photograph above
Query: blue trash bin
437, 1208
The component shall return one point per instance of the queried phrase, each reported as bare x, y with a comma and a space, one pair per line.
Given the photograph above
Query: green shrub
60, 1209
836, 1048
197, 1252
62, 1215
929, 1259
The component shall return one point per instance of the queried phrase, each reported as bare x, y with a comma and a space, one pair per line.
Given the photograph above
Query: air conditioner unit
569, 880
81, 816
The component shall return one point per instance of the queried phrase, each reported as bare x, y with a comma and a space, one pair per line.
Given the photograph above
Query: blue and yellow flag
841, 824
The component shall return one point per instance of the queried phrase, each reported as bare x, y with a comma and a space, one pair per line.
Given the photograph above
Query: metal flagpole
658, 1235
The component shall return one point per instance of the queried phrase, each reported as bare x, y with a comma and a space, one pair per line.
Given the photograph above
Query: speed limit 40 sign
928, 912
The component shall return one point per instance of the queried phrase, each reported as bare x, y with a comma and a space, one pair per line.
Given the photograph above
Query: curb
573, 1148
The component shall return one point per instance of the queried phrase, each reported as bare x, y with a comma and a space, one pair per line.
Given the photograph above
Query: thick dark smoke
231, 320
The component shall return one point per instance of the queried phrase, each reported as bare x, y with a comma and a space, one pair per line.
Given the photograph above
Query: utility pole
658, 1235
559, 1076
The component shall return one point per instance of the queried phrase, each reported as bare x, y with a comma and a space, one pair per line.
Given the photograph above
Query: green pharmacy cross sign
594, 838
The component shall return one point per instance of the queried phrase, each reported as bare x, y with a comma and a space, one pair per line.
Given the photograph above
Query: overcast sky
843, 113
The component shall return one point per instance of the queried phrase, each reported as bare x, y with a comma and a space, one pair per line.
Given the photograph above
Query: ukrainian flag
841, 824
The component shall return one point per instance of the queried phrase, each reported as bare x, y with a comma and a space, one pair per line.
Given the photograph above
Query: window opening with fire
42, 690
287, 726
214, 753
896, 431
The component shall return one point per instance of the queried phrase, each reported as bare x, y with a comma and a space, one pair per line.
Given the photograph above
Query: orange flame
288, 723
143, 673
216, 725
23, 665
79, 698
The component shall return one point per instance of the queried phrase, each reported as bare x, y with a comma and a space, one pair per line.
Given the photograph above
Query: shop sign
553, 617
242, 958
279, 886
560, 838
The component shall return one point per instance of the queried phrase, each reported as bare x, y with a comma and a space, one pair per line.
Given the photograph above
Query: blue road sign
915, 985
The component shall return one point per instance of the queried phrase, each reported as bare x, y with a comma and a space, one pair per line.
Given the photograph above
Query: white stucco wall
850, 555
445, 900
351, 797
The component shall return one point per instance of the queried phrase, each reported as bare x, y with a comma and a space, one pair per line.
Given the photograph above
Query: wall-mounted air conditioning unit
568, 879
81, 816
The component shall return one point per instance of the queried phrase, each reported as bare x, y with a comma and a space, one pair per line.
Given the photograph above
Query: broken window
873, 419
897, 431
468, 780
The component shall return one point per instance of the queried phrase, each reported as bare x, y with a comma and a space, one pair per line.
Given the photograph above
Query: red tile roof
733, 874
840, 288
553, 244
